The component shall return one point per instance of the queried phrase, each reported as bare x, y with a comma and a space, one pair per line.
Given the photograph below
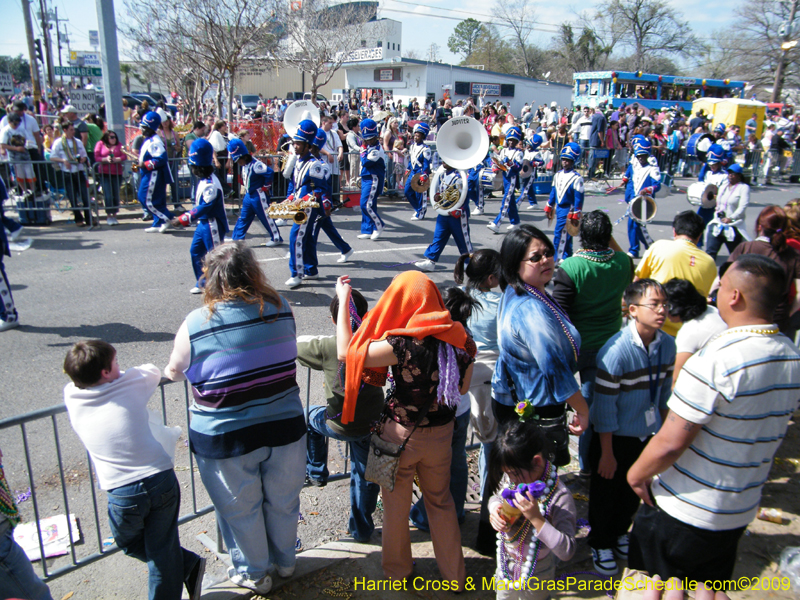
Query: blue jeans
363, 494
257, 499
17, 578
587, 367
459, 476
144, 522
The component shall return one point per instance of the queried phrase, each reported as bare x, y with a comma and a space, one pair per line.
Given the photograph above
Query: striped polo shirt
242, 373
742, 387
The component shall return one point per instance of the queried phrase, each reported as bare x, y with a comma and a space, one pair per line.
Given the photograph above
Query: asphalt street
132, 289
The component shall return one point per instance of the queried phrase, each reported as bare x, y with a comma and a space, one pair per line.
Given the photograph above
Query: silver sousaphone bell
296, 112
462, 143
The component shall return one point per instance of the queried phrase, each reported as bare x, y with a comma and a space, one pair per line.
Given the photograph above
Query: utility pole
47, 50
26, 12
58, 39
785, 47
109, 59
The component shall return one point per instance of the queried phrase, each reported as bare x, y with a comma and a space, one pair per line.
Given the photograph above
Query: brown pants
427, 453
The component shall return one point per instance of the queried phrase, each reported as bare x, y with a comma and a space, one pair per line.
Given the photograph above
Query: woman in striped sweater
247, 430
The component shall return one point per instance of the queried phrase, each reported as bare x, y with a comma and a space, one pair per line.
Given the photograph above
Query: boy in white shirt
108, 410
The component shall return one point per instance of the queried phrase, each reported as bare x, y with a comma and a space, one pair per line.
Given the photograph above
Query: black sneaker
194, 583
315, 482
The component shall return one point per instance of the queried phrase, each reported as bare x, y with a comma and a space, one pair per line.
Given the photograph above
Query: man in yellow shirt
680, 258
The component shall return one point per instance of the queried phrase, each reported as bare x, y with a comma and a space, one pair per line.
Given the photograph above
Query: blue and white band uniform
212, 223
639, 177
419, 161
512, 158
373, 174
456, 223
566, 196
324, 222
308, 179
717, 179
528, 188
153, 183
257, 179
475, 188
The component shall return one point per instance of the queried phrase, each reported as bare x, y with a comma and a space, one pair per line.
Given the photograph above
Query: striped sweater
626, 372
242, 373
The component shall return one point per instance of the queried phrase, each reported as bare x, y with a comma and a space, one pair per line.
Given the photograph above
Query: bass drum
698, 144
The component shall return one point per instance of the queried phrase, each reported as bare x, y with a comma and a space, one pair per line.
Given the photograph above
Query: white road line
376, 251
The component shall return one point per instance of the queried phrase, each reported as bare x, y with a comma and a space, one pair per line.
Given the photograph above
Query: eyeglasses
536, 257
656, 306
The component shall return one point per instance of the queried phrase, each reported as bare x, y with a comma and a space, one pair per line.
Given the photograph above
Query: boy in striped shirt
728, 414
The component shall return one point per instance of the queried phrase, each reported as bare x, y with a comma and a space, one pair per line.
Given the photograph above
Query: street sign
6, 83
94, 38
84, 100
78, 71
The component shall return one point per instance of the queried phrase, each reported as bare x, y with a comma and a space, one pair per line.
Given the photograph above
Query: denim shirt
534, 351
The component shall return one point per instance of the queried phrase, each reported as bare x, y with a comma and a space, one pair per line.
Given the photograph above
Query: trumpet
499, 165
134, 160
297, 210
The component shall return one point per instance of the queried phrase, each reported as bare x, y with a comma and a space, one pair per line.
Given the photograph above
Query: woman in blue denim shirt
538, 344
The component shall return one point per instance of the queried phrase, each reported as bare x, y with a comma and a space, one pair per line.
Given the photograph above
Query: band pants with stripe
561, 239
509, 205
446, 226
154, 200
255, 205
637, 233
303, 245
371, 188
7, 311
474, 193
528, 191
417, 200
326, 224
206, 236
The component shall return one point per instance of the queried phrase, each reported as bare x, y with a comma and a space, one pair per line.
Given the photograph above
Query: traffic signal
39, 55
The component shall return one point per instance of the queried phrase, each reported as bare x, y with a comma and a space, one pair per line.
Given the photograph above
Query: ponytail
774, 224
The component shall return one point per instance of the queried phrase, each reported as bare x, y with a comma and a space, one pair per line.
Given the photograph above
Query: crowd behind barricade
668, 416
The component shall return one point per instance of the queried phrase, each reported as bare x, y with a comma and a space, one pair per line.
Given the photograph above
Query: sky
424, 21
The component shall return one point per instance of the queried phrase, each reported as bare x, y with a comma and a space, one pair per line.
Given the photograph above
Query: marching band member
455, 223
641, 179
475, 189
257, 179
373, 173
208, 211
510, 157
535, 158
308, 179
419, 162
155, 174
324, 222
566, 199
713, 173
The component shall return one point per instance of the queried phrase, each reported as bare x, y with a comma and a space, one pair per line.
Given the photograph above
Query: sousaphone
296, 112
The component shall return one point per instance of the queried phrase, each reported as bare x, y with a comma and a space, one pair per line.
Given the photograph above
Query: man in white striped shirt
728, 414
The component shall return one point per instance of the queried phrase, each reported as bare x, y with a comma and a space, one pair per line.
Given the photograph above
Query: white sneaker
311, 276
604, 563
286, 571
152, 230
376, 234
111, 221
13, 237
272, 243
196, 290
477, 211
364, 236
345, 257
531, 207
293, 282
493, 227
416, 217
262, 586
621, 549
426, 265
511, 228
280, 222
4, 325
166, 225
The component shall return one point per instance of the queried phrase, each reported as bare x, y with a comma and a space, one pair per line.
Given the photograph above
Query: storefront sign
365, 54
484, 89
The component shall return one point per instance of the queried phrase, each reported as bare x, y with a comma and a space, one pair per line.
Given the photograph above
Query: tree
18, 66
587, 53
319, 36
493, 52
413, 54
519, 17
464, 36
126, 71
648, 29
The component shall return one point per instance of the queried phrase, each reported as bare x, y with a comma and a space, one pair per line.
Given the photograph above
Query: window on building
398, 47
380, 44
363, 43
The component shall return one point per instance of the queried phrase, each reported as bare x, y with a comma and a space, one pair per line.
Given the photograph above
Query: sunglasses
536, 257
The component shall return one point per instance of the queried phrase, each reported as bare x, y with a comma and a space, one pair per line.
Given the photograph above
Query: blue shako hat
535, 141
715, 154
514, 133
306, 131
571, 151
422, 128
151, 120
237, 149
201, 153
643, 147
720, 128
369, 129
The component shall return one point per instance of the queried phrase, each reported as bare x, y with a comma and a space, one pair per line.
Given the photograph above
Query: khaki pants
428, 453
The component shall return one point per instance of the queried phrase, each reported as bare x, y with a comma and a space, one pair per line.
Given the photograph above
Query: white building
405, 79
